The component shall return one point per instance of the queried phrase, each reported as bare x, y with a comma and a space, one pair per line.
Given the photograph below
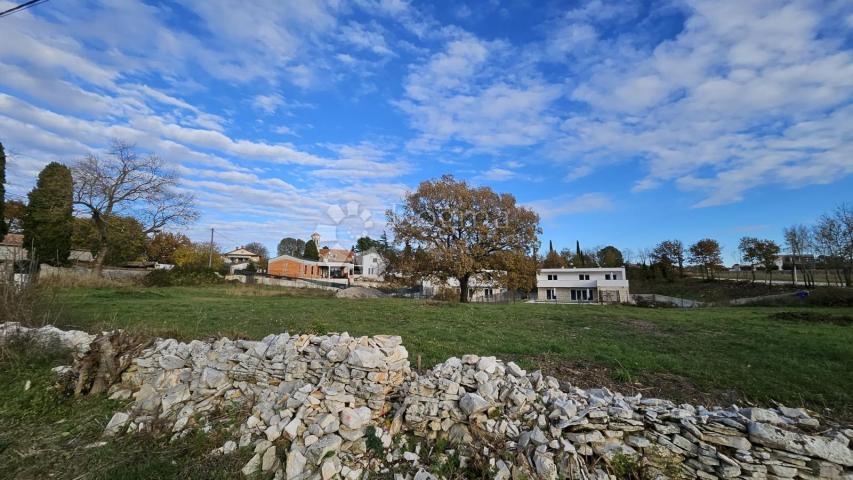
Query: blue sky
620, 123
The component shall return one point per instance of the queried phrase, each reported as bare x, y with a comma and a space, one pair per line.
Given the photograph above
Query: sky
620, 122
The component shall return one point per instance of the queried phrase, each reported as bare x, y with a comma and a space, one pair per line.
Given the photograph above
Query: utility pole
210, 251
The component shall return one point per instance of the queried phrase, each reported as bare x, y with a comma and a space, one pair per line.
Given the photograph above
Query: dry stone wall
335, 406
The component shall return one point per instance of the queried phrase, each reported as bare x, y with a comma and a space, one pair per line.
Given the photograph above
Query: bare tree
125, 183
798, 238
833, 236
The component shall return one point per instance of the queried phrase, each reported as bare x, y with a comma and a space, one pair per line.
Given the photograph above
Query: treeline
826, 245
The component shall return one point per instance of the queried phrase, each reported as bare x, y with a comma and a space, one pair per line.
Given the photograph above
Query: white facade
582, 285
241, 255
482, 287
370, 265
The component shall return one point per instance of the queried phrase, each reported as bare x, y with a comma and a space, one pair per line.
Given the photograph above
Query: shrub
182, 277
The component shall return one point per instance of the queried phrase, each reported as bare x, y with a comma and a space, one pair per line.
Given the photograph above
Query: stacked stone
74, 340
564, 432
320, 393
308, 402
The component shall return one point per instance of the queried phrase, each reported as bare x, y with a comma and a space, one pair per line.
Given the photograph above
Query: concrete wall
47, 271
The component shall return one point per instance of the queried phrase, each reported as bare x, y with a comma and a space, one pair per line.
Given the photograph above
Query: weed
374, 443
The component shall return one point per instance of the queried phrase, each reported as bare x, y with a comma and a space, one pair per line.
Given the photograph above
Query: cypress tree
3, 227
578, 255
48, 220
311, 252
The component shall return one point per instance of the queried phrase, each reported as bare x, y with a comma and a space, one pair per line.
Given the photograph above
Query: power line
21, 7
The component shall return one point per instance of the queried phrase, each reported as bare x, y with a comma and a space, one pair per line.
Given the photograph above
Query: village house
241, 255
370, 265
582, 285
335, 265
482, 287
12, 248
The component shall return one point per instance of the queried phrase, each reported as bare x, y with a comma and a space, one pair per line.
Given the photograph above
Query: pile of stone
336, 406
559, 431
318, 393
74, 340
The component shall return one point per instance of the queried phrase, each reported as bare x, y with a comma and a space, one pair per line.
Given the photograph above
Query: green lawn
713, 354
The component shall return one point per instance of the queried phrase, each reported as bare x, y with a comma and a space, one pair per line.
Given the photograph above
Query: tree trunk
463, 289
103, 248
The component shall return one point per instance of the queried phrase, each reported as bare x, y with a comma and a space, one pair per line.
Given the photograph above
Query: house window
552, 277
607, 276
551, 293
487, 292
583, 277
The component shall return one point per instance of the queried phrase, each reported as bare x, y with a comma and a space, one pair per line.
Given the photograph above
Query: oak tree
463, 231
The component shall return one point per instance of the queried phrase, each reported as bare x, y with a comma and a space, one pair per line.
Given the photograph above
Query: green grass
713, 354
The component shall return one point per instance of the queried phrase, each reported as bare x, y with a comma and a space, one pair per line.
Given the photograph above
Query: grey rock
116, 423
472, 404
316, 452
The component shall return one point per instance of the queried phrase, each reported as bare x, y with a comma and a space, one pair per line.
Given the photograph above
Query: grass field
798, 356
723, 354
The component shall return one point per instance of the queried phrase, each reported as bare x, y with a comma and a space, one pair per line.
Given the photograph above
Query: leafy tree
4, 229
14, 212
291, 246
311, 252
196, 255
126, 241
162, 246
749, 252
48, 217
463, 231
125, 184
260, 250
553, 259
519, 272
610, 257
707, 254
768, 252
668, 254
364, 244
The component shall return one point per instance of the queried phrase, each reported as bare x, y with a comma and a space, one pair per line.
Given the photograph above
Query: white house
582, 285
370, 265
12, 247
483, 287
241, 255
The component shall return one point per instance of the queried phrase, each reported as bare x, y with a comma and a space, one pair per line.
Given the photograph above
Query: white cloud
741, 98
561, 205
463, 94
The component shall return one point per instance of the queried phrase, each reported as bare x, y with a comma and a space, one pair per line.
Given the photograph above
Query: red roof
13, 240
